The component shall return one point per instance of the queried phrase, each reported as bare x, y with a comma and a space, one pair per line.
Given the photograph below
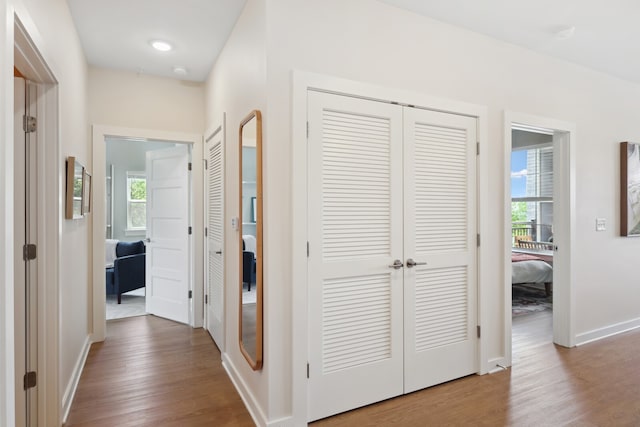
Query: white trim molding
100, 132
250, 401
302, 82
564, 138
23, 47
607, 331
72, 386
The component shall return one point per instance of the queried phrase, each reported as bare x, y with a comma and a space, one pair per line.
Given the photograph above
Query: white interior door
25, 267
355, 234
214, 284
440, 237
388, 185
168, 234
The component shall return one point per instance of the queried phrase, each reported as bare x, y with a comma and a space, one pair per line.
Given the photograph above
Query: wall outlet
601, 224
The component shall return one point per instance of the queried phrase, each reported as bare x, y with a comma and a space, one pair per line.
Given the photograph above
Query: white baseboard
282, 422
498, 364
72, 386
598, 334
245, 394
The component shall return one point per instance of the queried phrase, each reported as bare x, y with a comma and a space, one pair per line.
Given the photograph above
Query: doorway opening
126, 227
531, 237
159, 217
539, 212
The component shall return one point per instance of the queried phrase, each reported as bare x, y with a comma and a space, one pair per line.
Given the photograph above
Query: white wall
122, 98
236, 86
367, 41
50, 25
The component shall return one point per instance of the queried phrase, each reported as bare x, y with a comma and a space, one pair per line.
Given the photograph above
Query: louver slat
440, 307
441, 188
355, 185
215, 193
355, 321
215, 229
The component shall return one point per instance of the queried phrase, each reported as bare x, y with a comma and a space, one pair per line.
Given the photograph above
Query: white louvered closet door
440, 230
355, 233
215, 238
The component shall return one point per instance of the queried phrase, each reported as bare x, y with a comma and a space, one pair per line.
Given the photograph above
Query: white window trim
133, 231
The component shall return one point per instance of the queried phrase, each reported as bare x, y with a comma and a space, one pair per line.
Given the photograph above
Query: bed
527, 267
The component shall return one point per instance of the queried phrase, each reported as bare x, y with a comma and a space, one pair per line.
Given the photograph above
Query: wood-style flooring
597, 384
152, 372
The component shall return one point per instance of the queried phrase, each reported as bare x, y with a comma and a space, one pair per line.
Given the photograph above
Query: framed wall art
86, 193
74, 189
629, 189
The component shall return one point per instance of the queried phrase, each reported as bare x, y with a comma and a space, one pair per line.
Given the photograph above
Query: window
136, 201
532, 193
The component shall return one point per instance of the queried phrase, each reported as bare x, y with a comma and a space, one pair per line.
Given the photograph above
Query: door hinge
29, 252
478, 148
190, 294
478, 330
206, 164
206, 231
30, 380
190, 230
189, 167
478, 239
307, 249
307, 370
29, 124
307, 129
206, 299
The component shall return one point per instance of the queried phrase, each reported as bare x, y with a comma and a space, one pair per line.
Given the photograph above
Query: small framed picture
86, 193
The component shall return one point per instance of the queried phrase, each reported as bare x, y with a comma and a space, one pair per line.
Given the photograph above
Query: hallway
154, 372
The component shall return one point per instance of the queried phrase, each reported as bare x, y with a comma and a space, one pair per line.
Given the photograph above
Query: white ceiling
606, 37
116, 33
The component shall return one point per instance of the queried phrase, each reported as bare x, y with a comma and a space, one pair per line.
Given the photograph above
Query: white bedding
531, 272
110, 252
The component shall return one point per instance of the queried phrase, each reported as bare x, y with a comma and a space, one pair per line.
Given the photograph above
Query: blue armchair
128, 271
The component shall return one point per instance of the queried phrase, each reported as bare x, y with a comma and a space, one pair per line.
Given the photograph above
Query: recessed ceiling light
180, 70
160, 45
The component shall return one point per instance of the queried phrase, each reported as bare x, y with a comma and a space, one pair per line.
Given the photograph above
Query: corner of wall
72, 385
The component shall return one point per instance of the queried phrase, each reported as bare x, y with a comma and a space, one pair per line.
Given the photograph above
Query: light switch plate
601, 224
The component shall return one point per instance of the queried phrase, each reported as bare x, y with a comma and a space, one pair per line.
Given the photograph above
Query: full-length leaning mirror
251, 283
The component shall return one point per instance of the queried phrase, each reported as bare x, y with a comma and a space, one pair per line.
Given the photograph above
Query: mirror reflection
73, 202
251, 239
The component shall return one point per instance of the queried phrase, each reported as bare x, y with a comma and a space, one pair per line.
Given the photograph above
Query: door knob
412, 263
148, 240
218, 252
396, 264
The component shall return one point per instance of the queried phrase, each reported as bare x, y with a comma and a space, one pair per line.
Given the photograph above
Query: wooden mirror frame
254, 360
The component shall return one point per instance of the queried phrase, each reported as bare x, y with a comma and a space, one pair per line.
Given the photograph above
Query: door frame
209, 134
100, 132
31, 59
564, 219
302, 82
